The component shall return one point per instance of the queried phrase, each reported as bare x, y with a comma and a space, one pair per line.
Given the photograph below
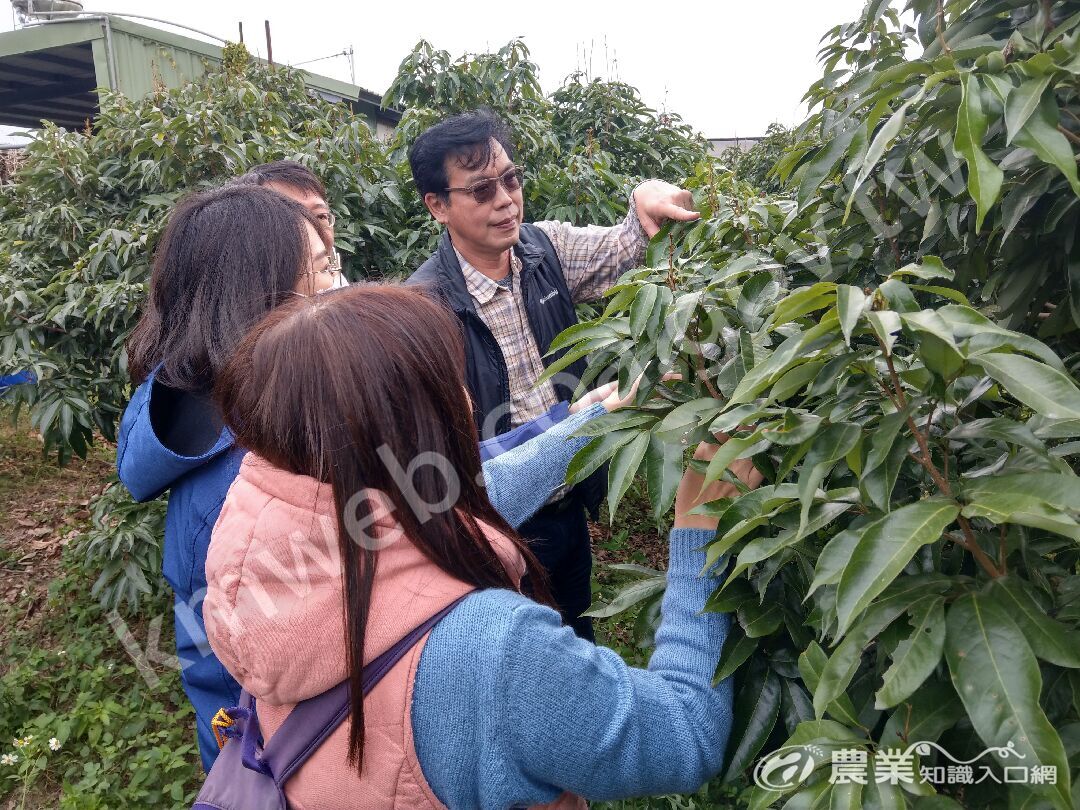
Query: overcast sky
729, 68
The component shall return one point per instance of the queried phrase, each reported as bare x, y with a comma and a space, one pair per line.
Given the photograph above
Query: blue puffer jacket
149, 462
174, 441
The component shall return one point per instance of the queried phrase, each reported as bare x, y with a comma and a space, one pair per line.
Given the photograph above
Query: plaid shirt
592, 260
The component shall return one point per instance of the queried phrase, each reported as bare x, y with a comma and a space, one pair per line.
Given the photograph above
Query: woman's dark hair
466, 138
228, 256
283, 173
338, 387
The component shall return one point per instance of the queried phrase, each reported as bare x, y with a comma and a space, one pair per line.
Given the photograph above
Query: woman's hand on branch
692, 493
608, 395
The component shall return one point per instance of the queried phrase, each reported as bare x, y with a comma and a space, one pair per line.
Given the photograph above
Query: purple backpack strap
313, 720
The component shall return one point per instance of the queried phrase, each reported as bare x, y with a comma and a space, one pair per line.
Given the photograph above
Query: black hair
283, 173
227, 257
466, 137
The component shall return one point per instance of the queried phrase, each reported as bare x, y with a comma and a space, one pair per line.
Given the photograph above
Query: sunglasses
484, 191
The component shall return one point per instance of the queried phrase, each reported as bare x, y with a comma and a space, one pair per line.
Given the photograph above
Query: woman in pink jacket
359, 513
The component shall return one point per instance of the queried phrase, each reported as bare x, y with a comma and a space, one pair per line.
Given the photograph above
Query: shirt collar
479, 286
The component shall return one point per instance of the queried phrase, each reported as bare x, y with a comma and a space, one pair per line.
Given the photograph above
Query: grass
125, 739
118, 739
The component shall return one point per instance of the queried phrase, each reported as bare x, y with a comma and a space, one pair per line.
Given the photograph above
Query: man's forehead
498, 159
308, 199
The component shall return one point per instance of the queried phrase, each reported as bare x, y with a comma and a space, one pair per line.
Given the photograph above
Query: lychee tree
906, 576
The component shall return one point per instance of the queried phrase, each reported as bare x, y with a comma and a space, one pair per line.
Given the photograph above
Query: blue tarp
16, 379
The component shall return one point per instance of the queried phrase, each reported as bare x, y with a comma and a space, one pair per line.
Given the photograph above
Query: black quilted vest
550, 310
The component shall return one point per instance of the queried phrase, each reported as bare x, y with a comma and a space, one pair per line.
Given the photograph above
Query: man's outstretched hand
658, 202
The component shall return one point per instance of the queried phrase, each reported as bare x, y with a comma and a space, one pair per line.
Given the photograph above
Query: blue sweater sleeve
519, 481
510, 708
490, 448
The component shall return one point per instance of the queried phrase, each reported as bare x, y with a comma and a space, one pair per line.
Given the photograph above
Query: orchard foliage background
875, 336
881, 306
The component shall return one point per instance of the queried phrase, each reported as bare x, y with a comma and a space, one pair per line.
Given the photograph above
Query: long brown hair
228, 256
326, 387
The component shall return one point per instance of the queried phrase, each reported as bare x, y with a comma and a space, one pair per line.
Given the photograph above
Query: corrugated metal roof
51, 70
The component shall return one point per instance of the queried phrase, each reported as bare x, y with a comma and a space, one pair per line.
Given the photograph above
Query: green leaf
683, 420
663, 471
1022, 101
756, 295
884, 437
997, 429
765, 547
915, 658
844, 662
1062, 491
850, 303
882, 140
1024, 509
622, 419
997, 677
930, 267
884, 548
983, 335
879, 481
1041, 135
804, 300
628, 596
812, 663
823, 163
818, 738
738, 647
792, 351
984, 176
1042, 388
589, 458
642, 309
729, 451
830, 445
759, 620
756, 709
881, 795
832, 559
1049, 639
795, 429
623, 467
926, 715
887, 325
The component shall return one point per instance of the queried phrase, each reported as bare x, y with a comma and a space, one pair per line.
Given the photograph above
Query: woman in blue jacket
228, 257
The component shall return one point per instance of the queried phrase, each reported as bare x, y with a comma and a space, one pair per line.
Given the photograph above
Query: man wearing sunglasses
514, 286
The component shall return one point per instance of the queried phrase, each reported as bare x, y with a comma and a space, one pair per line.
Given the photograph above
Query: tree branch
1070, 135
941, 28
972, 545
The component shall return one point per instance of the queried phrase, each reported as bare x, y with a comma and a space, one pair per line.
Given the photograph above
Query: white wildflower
9, 759
54, 744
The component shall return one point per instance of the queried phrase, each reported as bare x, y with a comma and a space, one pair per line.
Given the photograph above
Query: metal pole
241, 24
352, 66
269, 48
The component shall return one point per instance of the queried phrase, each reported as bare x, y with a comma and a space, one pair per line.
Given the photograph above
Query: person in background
227, 258
297, 182
513, 287
500, 705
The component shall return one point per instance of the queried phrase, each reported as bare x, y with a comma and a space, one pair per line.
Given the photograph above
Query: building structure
52, 69
718, 145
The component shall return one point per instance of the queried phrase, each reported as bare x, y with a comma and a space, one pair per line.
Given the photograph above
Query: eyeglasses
484, 190
326, 217
333, 266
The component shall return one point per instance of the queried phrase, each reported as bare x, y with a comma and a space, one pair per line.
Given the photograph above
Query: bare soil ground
42, 507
